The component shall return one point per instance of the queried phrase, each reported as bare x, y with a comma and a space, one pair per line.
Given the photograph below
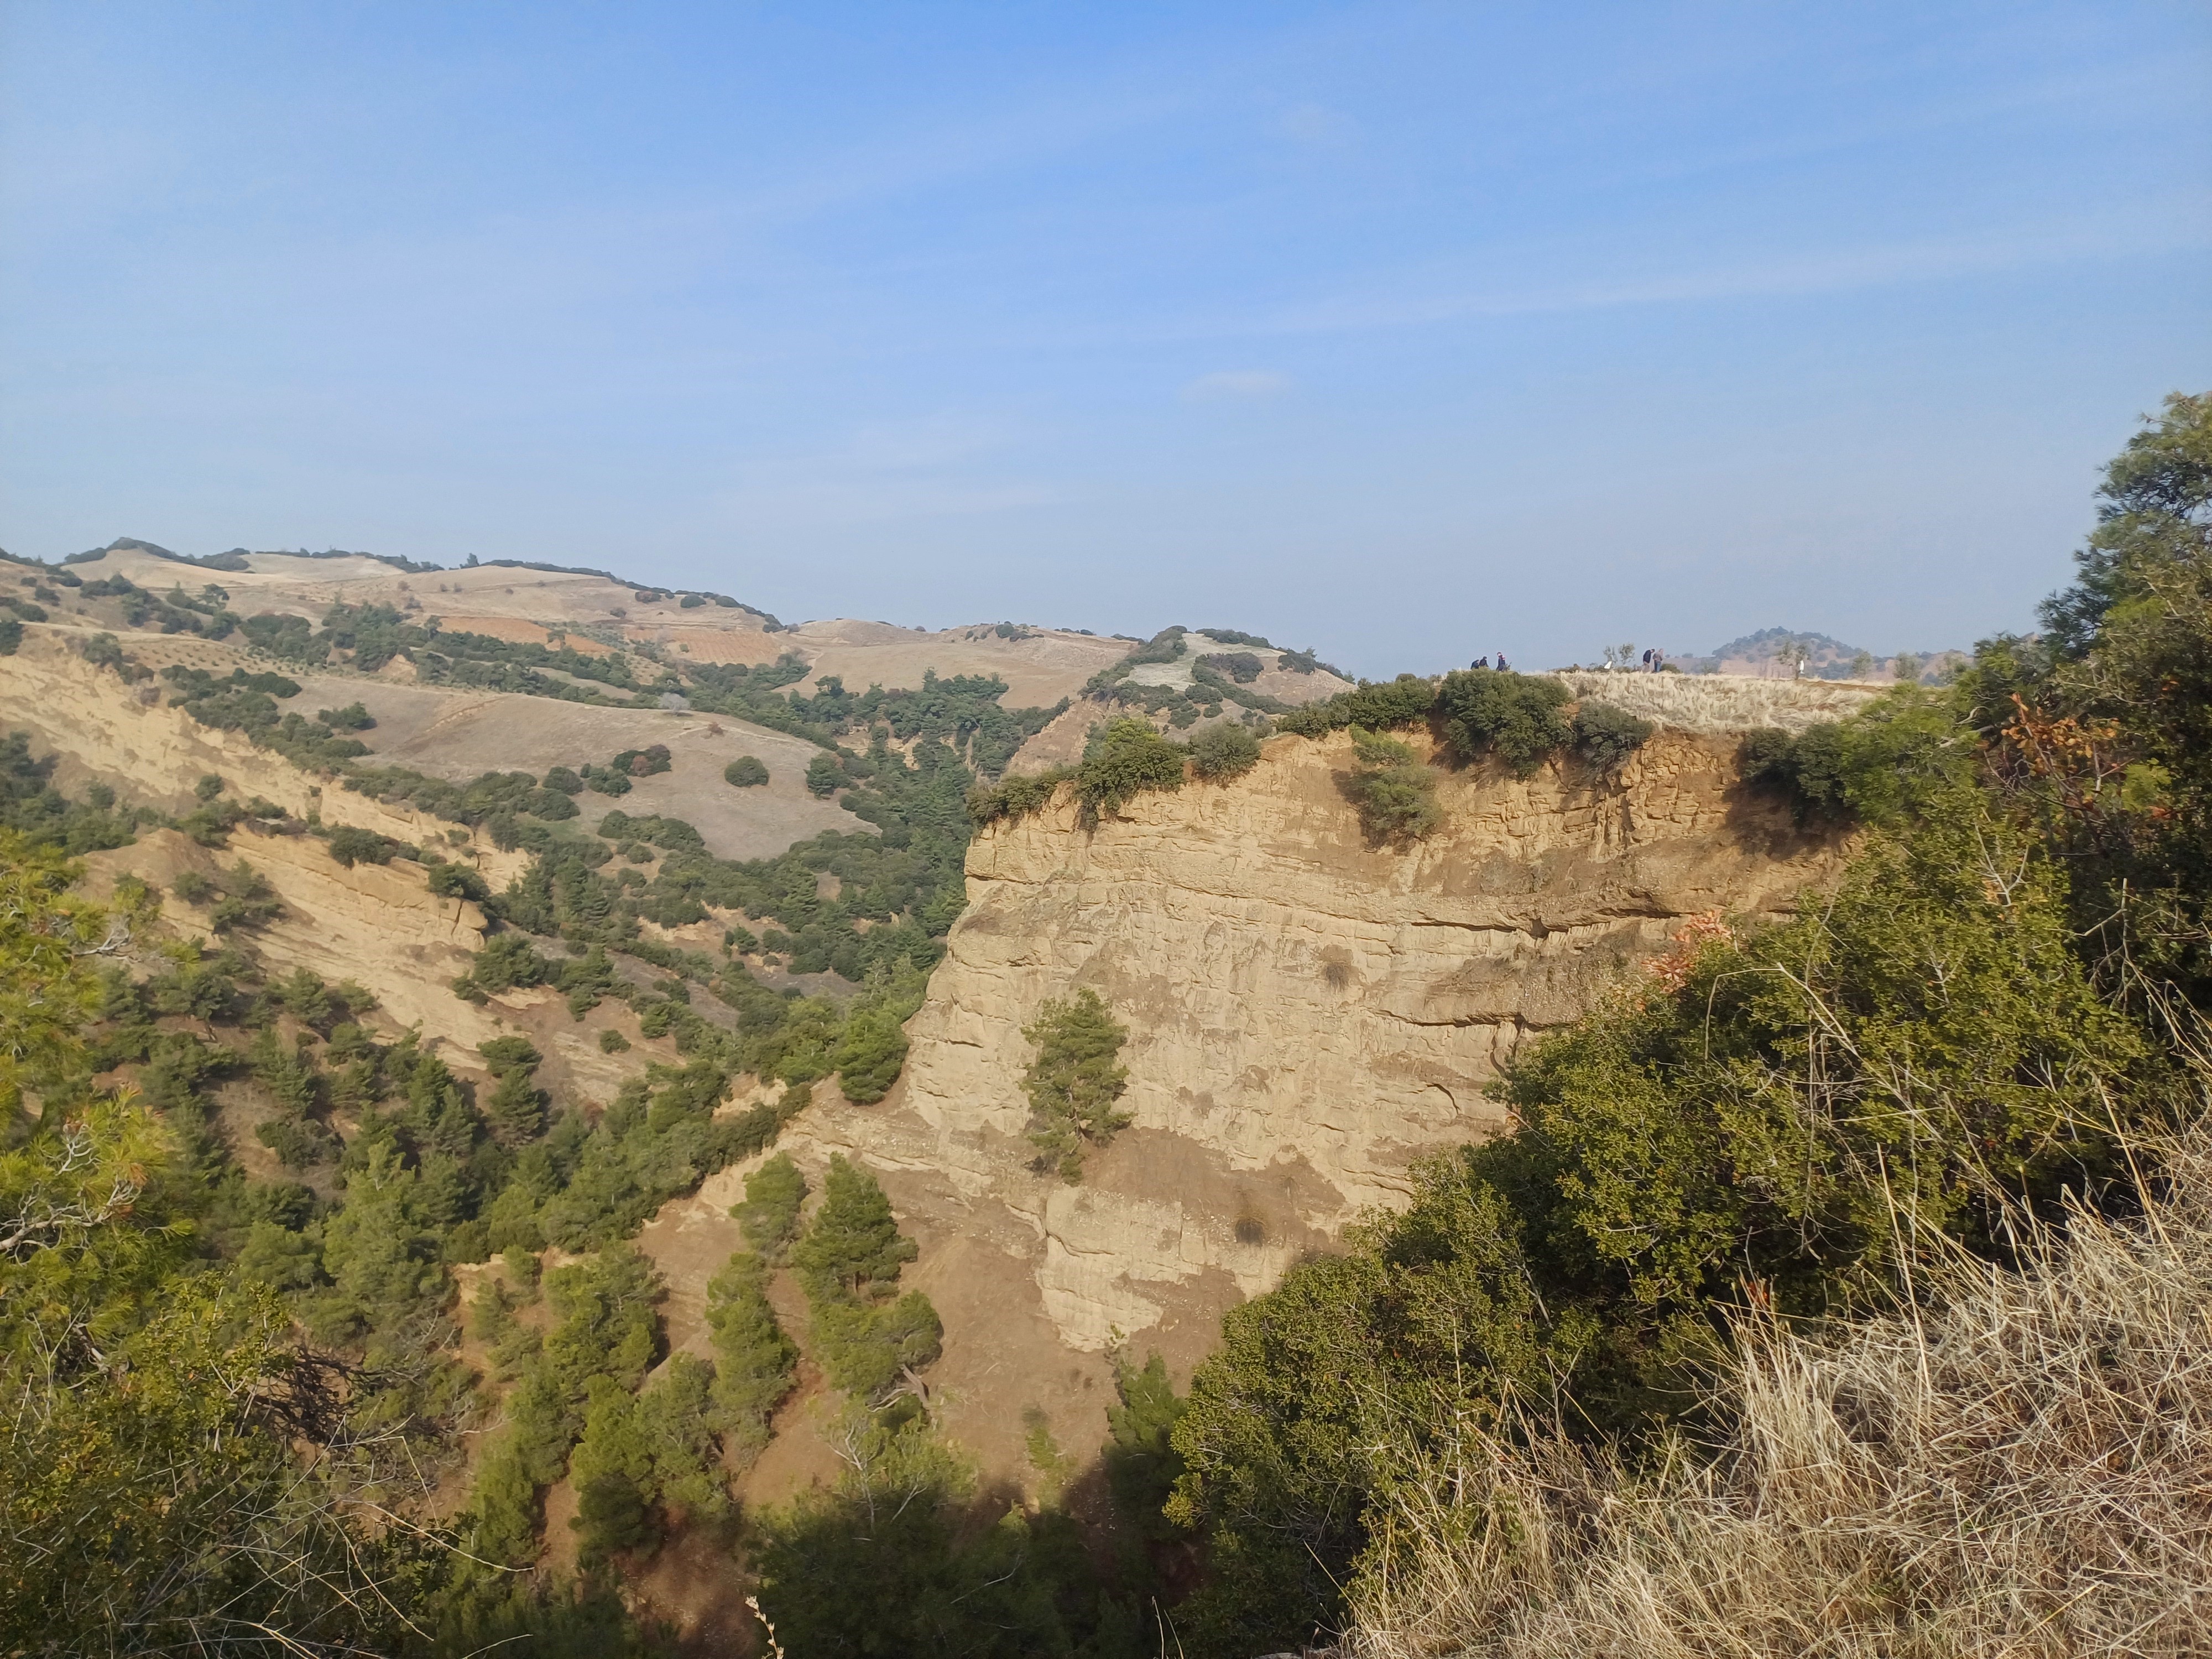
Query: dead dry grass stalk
1721, 702
2023, 1468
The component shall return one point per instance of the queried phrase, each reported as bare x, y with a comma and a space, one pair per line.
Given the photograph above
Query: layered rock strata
1308, 1014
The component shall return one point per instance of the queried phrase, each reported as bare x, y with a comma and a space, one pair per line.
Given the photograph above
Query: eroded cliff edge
1308, 1014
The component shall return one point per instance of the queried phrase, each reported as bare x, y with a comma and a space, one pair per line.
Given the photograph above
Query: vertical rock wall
1308, 1014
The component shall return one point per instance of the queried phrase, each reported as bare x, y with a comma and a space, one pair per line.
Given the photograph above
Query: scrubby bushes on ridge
1224, 751
1396, 795
1477, 713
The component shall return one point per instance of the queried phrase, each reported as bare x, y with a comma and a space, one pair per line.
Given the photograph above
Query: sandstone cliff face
1307, 1015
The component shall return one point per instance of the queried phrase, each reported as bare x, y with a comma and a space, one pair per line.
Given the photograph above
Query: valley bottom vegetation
1843, 1285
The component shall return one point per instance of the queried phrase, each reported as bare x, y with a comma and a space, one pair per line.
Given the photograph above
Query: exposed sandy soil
1002, 1351
458, 735
1039, 670
508, 603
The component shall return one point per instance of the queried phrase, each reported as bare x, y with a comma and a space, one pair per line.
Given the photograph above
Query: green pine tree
516, 1110
755, 1362
612, 1469
853, 1250
1073, 1082
769, 1215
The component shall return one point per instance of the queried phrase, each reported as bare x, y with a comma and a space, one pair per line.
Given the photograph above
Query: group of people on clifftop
1653, 660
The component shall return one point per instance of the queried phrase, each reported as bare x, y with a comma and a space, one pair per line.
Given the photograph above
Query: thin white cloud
2149, 228
1237, 386
1315, 123
925, 441
797, 502
1829, 270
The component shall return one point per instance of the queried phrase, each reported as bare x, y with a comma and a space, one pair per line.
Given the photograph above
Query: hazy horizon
1399, 332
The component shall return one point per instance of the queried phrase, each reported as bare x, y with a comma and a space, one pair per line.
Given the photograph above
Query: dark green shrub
824, 776
550, 804
864, 1350
505, 962
853, 1249
1515, 717
1127, 758
769, 1216
510, 1054
458, 881
1772, 761
299, 1143
248, 900
755, 1363
102, 650
1142, 1464
944, 1573
506, 1509
606, 780
746, 772
1073, 1081
353, 717
1385, 705
1605, 737
1396, 795
1014, 797
871, 1056
612, 1469
1224, 751
1815, 770
348, 846
1165, 646
516, 1110
564, 779
1241, 667
849, 1262
11, 637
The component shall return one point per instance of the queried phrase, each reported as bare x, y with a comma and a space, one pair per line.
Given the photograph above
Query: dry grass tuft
1721, 702
2023, 1470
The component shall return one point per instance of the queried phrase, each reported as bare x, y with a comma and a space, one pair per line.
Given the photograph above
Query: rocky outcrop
1308, 1014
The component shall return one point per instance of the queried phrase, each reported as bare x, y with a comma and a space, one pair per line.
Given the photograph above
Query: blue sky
1405, 331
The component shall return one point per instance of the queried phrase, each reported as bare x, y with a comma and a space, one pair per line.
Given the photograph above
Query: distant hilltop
1785, 653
